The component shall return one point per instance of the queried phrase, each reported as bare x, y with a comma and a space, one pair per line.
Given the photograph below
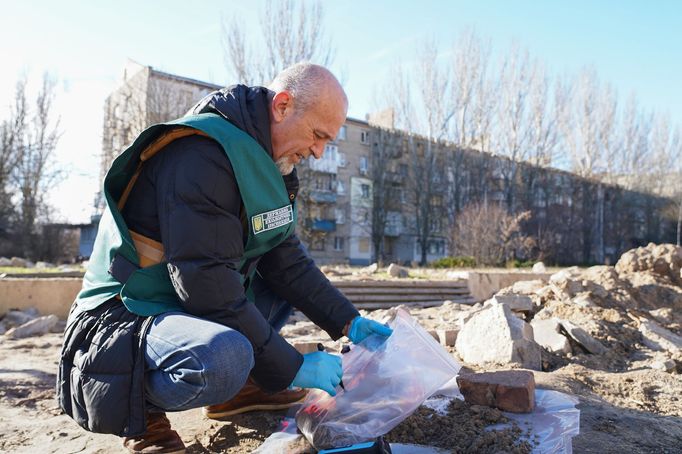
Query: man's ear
282, 105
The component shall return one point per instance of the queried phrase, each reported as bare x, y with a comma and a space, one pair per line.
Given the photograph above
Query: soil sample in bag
461, 430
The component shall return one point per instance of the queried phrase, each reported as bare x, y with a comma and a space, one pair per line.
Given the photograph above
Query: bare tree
292, 32
634, 157
491, 235
387, 186
437, 109
34, 175
513, 123
12, 132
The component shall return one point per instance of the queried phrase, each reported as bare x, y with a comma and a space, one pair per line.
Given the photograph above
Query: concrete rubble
611, 335
547, 333
581, 336
398, 271
517, 303
539, 267
656, 337
16, 324
35, 327
21, 263
371, 269
494, 335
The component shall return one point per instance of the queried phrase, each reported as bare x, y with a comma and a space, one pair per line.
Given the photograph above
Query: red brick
508, 390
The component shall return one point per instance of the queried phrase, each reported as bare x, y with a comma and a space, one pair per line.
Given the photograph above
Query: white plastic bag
385, 381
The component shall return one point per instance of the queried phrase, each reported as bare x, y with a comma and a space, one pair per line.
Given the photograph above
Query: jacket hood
245, 107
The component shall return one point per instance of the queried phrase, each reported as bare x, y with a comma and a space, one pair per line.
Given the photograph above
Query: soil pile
461, 430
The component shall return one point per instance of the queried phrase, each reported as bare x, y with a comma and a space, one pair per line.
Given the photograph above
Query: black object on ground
378, 446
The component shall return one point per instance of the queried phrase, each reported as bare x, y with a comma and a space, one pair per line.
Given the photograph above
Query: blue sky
637, 46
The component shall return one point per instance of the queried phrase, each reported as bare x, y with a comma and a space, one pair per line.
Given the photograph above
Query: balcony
324, 165
392, 230
329, 163
394, 223
318, 196
321, 225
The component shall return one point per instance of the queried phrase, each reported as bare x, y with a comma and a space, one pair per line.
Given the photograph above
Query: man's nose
317, 150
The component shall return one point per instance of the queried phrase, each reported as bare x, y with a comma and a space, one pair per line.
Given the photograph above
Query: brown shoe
252, 398
159, 438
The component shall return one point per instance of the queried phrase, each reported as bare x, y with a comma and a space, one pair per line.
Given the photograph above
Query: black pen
320, 348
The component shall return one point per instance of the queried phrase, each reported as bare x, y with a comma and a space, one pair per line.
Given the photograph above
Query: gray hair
305, 81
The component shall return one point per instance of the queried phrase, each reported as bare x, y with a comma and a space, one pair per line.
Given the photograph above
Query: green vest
148, 291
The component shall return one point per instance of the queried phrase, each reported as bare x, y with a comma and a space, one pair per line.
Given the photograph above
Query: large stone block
656, 337
398, 271
495, 335
581, 336
548, 334
517, 303
528, 287
508, 390
35, 327
539, 267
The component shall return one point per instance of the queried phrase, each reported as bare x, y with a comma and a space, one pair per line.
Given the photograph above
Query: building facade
383, 194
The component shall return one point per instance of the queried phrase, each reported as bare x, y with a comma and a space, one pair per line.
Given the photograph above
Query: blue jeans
192, 362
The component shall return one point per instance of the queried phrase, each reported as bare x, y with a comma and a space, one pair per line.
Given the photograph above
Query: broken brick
447, 337
508, 390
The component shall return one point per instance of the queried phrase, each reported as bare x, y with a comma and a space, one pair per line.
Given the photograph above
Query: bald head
307, 110
310, 84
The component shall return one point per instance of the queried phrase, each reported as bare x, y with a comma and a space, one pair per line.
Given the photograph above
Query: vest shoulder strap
151, 251
157, 145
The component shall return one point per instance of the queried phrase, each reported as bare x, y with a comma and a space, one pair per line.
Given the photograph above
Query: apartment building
144, 96
370, 196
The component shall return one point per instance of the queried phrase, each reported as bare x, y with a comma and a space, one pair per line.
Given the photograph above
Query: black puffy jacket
191, 186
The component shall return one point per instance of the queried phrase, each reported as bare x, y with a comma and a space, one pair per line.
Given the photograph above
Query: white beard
284, 165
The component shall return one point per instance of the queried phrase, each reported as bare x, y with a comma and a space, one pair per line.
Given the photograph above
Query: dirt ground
628, 403
634, 411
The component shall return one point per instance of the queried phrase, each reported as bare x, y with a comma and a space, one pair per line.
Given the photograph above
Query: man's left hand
361, 327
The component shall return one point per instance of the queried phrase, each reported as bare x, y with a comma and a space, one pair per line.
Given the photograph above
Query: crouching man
196, 267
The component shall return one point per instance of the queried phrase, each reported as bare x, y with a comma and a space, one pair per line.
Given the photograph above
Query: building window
339, 215
342, 159
342, 133
317, 244
338, 243
436, 224
364, 137
363, 165
340, 188
363, 245
330, 152
403, 170
365, 191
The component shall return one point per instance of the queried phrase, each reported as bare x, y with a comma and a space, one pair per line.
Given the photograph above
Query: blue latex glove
362, 327
319, 370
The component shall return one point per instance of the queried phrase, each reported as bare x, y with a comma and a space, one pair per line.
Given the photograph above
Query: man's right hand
319, 370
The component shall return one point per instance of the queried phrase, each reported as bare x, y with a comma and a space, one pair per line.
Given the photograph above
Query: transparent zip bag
385, 380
